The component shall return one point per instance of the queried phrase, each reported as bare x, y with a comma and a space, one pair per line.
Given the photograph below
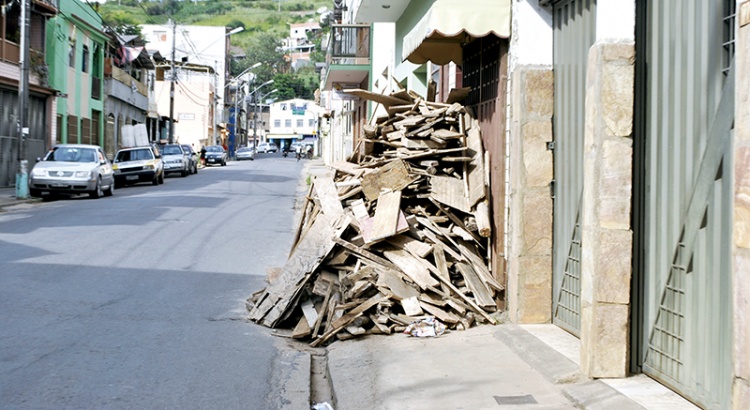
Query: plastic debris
427, 327
322, 406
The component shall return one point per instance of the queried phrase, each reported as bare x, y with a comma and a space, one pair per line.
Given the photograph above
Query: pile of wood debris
399, 235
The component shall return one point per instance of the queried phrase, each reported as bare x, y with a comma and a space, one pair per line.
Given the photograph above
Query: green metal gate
574, 23
683, 194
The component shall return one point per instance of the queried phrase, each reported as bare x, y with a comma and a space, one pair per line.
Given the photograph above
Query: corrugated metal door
682, 212
574, 24
35, 143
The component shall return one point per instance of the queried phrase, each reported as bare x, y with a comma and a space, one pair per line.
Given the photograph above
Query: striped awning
440, 35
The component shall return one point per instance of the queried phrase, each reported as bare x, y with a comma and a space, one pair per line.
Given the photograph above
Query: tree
265, 49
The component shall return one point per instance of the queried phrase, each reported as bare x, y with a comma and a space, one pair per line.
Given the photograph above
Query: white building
293, 120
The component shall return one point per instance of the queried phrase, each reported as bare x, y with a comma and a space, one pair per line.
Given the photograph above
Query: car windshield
187, 149
134, 155
172, 150
214, 148
243, 149
71, 154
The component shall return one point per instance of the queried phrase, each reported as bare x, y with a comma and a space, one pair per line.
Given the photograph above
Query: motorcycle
285, 153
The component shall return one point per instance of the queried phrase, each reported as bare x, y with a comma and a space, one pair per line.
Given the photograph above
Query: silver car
245, 153
73, 169
175, 160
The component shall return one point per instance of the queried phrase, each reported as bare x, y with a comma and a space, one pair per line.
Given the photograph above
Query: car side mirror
38, 159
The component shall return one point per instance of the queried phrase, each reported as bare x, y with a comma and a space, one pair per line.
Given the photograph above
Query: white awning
449, 24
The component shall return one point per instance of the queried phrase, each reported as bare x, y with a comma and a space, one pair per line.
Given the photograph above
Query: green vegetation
265, 22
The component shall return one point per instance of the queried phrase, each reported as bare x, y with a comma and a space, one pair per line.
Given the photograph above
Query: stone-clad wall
529, 293
741, 254
607, 197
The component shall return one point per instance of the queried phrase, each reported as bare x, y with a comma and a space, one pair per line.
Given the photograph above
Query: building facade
41, 106
292, 120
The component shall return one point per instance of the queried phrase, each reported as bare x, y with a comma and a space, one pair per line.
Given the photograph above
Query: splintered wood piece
322, 283
301, 222
411, 306
420, 143
456, 220
309, 312
302, 329
479, 265
323, 310
482, 294
328, 196
393, 177
347, 168
338, 324
442, 315
475, 168
482, 215
414, 246
359, 209
376, 321
450, 191
366, 226
440, 263
395, 136
372, 258
305, 258
456, 159
392, 281
386, 100
385, 223
412, 267
445, 134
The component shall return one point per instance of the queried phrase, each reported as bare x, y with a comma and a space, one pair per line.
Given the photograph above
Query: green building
76, 44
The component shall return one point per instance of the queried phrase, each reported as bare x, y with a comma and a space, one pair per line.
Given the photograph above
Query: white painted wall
615, 20
531, 35
383, 62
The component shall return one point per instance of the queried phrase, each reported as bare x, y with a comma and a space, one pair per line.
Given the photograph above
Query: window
72, 55
277, 123
300, 123
72, 129
283, 107
288, 123
85, 59
311, 122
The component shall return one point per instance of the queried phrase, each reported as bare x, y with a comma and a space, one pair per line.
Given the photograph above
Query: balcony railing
349, 44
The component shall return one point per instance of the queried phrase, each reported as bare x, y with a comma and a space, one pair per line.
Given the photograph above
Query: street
138, 300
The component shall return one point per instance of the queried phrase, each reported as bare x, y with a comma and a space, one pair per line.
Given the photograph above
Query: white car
265, 147
73, 169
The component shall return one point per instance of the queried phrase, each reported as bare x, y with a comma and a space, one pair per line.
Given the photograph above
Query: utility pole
171, 85
216, 100
22, 176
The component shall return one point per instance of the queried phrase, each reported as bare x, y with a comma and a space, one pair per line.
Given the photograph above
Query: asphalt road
138, 301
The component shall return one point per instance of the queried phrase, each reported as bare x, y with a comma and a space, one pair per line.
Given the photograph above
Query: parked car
293, 146
216, 155
193, 158
265, 147
175, 160
138, 164
73, 169
245, 153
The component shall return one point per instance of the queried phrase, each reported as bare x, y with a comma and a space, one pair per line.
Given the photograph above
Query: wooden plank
300, 223
456, 220
411, 306
347, 168
482, 215
414, 246
328, 196
475, 168
309, 312
449, 191
479, 265
482, 294
420, 143
386, 100
442, 315
393, 176
444, 134
323, 310
338, 324
441, 264
312, 248
302, 329
392, 281
373, 258
412, 267
385, 222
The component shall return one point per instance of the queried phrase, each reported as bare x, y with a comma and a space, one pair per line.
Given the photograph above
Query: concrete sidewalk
486, 367
8, 198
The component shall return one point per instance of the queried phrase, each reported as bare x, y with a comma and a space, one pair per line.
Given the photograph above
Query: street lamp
255, 111
238, 79
255, 115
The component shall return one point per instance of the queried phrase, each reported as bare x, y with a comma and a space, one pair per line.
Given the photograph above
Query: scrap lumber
399, 232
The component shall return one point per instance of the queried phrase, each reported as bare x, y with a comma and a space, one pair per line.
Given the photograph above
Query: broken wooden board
386, 100
392, 282
338, 324
411, 306
475, 168
385, 222
392, 177
347, 168
482, 294
449, 191
328, 196
414, 246
412, 267
312, 248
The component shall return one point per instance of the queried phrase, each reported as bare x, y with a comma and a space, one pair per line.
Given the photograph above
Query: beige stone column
741, 234
529, 293
607, 238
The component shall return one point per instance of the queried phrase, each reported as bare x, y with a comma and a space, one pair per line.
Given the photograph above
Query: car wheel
97, 192
184, 173
155, 180
161, 178
223, 163
111, 190
35, 193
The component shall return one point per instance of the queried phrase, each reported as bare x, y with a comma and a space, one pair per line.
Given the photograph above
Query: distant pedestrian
203, 156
